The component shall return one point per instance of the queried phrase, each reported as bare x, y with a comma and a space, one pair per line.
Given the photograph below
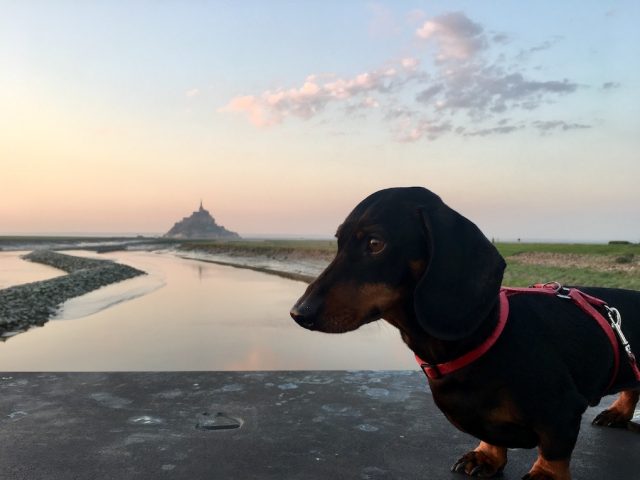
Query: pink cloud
271, 107
407, 130
255, 109
457, 37
465, 93
410, 63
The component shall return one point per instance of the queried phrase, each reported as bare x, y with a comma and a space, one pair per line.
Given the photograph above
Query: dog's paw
477, 464
611, 418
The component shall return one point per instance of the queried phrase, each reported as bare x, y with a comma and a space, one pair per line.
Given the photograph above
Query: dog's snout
305, 311
303, 315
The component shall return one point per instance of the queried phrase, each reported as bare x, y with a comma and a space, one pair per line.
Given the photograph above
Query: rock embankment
23, 306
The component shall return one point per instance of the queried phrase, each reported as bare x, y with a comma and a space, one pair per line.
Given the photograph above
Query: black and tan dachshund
405, 256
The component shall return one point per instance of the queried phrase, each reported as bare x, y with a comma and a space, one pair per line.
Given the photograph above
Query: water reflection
205, 317
14, 270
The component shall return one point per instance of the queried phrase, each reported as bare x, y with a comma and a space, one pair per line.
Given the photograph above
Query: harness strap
587, 304
583, 301
437, 371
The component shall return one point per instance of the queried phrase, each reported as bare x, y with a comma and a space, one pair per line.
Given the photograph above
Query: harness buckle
558, 289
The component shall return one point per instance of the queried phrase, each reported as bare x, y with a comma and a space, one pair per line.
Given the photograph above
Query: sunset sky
120, 116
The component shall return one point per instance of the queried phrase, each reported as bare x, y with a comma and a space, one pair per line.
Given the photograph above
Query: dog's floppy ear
463, 277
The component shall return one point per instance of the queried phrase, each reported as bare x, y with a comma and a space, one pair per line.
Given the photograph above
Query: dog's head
399, 247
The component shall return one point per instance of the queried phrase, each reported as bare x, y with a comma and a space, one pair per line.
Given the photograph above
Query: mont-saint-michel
200, 225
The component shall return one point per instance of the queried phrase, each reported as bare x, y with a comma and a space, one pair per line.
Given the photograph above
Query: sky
281, 116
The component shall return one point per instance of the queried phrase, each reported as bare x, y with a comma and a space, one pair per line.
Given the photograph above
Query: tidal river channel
187, 315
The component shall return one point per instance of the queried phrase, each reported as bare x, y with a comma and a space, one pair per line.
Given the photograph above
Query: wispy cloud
273, 106
192, 92
610, 85
463, 83
457, 37
366, 103
481, 91
407, 130
526, 53
501, 38
551, 125
484, 132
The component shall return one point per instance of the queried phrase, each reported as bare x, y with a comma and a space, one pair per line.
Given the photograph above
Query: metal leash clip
616, 323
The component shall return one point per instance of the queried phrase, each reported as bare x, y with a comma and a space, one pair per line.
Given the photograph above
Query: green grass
521, 275
508, 249
517, 274
283, 249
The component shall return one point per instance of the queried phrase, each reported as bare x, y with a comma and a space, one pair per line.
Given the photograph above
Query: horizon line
288, 236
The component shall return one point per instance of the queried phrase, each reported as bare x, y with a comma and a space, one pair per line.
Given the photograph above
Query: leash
587, 303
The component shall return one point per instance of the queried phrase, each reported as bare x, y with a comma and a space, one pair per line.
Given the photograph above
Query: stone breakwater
23, 306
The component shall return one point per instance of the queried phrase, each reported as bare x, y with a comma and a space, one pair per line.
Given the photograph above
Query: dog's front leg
544, 469
554, 451
485, 461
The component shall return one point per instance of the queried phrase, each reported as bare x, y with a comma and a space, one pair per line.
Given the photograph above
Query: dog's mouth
318, 313
344, 321
374, 314
308, 324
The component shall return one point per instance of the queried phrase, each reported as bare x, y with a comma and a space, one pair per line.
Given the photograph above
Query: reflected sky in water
14, 270
197, 316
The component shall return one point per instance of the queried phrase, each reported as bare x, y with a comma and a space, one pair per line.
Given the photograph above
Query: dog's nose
303, 316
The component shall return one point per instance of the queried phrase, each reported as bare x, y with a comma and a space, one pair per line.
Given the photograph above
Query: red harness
587, 303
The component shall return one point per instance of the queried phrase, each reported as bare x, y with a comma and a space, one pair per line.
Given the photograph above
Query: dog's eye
375, 245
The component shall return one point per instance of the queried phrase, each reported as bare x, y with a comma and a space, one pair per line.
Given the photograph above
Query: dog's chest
488, 414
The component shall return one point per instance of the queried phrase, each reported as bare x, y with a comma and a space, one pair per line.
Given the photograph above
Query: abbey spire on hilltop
200, 225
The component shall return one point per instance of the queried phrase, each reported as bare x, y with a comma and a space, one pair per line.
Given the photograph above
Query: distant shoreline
279, 273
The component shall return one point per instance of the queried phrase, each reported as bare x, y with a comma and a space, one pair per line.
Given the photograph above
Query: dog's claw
476, 470
458, 467
476, 465
611, 418
614, 418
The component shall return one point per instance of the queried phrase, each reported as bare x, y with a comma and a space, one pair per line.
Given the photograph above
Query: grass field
615, 265
281, 249
509, 249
